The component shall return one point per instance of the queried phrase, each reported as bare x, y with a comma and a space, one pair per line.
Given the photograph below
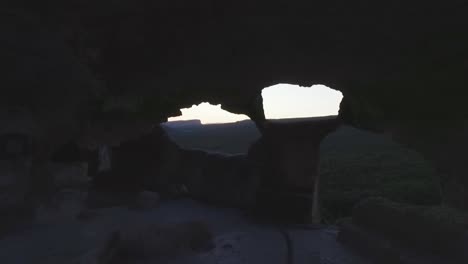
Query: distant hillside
229, 137
183, 123
302, 119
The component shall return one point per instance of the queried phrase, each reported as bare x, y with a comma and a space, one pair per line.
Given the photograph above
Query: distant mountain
183, 123
237, 124
302, 119
231, 138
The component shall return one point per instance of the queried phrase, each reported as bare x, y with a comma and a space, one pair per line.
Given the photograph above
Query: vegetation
437, 229
354, 165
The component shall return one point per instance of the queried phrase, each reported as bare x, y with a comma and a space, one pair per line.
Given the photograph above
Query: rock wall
226, 180
153, 162
166, 55
142, 163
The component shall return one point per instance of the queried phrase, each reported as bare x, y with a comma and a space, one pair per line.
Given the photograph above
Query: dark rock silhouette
183, 123
286, 158
144, 163
220, 179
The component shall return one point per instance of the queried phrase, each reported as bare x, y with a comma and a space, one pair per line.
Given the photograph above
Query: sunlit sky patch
290, 101
279, 101
208, 114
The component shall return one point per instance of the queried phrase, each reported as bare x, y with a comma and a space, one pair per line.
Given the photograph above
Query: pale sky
208, 114
279, 101
290, 101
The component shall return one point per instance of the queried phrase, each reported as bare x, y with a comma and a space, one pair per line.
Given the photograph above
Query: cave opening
210, 128
205, 113
285, 101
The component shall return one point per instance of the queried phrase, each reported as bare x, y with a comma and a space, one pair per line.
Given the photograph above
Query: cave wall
154, 57
70, 66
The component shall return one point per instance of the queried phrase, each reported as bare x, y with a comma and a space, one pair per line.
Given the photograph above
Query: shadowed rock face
226, 180
292, 150
286, 158
71, 64
143, 163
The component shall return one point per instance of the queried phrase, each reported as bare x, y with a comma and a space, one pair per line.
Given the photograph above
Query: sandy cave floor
237, 240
